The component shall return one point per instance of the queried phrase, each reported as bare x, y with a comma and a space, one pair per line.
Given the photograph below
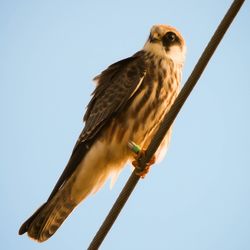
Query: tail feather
88, 177
25, 226
48, 218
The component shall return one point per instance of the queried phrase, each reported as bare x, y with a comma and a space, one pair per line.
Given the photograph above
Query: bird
129, 102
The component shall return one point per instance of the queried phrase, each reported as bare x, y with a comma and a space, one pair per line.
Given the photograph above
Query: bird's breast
159, 90
148, 106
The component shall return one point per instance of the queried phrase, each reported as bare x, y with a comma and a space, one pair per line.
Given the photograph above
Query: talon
142, 173
139, 172
152, 160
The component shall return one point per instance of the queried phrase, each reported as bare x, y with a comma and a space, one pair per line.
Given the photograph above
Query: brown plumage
130, 100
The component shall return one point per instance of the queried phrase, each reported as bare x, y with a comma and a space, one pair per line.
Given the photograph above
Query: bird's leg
135, 163
139, 153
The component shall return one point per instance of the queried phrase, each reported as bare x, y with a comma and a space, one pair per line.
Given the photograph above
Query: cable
167, 122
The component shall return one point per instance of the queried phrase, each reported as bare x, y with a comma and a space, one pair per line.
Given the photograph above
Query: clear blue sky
198, 197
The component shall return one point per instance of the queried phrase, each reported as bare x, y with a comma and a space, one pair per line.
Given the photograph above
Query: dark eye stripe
169, 39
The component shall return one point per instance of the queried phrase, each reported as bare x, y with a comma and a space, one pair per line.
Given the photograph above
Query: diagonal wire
167, 122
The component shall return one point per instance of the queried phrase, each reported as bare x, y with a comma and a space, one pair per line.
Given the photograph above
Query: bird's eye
170, 37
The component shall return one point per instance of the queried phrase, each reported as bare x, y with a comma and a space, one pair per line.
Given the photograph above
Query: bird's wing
115, 87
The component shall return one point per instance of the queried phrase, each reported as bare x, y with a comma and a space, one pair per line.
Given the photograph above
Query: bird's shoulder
120, 77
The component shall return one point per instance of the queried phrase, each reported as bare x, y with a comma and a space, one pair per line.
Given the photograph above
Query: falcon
128, 104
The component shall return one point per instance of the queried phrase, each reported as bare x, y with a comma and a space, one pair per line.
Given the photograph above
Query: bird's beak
153, 39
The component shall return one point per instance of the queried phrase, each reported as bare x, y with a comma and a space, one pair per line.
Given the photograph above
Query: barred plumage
130, 100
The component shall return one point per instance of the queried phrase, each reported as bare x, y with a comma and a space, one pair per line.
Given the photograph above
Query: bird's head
166, 41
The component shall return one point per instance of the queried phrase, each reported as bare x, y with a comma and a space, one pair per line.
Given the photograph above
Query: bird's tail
49, 217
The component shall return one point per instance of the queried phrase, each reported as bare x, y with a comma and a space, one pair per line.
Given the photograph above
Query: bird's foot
135, 163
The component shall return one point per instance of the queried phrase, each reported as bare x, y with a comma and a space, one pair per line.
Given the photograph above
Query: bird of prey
128, 104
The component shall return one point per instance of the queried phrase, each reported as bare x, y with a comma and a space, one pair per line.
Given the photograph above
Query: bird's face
166, 41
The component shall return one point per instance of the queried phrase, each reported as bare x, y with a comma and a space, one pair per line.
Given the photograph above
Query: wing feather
115, 86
